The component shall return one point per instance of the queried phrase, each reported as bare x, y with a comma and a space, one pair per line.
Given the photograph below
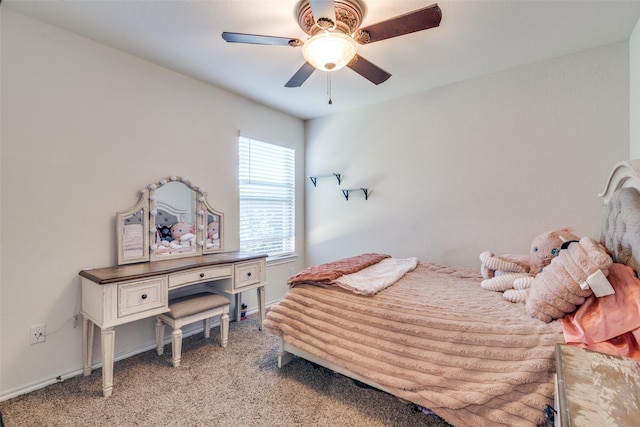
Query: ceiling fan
335, 33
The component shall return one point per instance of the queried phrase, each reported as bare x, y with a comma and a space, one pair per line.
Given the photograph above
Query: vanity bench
186, 310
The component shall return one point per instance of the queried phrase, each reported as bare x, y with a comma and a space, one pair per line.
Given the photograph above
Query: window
267, 197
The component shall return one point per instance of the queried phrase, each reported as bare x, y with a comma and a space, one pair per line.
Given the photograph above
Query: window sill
281, 259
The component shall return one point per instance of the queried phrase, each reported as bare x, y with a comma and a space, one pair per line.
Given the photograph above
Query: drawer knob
201, 274
249, 274
144, 296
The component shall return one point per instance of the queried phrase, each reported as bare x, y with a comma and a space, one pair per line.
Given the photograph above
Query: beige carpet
237, 386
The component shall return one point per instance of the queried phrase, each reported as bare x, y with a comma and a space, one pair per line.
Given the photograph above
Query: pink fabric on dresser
609, 324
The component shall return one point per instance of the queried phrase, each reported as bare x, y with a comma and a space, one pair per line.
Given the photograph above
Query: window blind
267, 197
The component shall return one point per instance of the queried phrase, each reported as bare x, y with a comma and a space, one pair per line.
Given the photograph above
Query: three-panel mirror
172, 219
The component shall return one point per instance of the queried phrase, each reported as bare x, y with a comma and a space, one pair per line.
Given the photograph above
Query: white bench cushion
196, 303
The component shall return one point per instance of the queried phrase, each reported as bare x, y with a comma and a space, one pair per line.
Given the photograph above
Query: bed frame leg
284, 356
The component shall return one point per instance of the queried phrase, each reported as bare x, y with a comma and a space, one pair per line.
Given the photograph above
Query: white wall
485, 164
634, 92
84, 127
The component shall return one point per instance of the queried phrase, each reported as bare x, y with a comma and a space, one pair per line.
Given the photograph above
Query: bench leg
176, 347
224, 329
159, 336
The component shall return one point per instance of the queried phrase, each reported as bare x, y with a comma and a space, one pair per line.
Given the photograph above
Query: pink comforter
435, 338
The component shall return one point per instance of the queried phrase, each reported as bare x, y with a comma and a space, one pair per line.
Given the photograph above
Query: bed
437, 339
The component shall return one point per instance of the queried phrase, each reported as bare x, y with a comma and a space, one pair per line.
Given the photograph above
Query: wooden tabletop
107, 275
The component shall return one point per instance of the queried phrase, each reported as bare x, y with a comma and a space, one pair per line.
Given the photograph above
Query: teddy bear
213, 234
183, 235
513, 274
164, 234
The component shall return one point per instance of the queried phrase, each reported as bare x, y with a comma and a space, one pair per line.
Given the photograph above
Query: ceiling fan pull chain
329, 87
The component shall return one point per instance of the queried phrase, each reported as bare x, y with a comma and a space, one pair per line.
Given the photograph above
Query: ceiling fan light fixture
329, 51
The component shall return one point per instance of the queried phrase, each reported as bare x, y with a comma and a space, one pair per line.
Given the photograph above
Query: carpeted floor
240, 385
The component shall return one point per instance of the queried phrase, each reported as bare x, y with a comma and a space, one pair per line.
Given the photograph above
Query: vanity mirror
172, 219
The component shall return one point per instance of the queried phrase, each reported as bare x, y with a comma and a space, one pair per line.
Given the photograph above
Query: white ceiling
474, 38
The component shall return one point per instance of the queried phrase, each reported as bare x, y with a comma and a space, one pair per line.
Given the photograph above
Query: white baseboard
143, 347
149, 345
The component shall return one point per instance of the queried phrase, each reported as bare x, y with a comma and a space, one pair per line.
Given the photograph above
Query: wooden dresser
117, 295
595, 389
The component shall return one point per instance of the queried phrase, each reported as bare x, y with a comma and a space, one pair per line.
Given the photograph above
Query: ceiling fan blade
369, 71
300, 76
258, 39
323, 9
418, 20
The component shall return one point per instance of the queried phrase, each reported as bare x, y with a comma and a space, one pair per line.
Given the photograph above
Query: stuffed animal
164, 232
566, 282
183, 235
513, 274
213, 234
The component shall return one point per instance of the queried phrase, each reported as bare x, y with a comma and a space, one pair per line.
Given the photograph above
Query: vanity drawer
141, 295
199, 275
248, 273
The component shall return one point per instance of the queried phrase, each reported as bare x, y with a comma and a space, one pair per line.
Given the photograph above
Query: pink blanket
377, 277
325, 274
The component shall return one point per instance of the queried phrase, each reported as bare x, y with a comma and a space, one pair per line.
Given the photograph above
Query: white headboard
620, 231
167, 215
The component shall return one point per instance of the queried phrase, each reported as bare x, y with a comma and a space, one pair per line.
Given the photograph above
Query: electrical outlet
290, 271
37, 334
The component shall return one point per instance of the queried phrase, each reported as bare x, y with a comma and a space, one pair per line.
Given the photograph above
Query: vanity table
117, 295
171, 240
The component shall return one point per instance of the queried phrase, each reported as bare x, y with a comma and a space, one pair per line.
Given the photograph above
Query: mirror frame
142, 206
147, 204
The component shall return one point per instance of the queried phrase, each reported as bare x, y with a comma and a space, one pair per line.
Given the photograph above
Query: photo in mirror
133, 235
